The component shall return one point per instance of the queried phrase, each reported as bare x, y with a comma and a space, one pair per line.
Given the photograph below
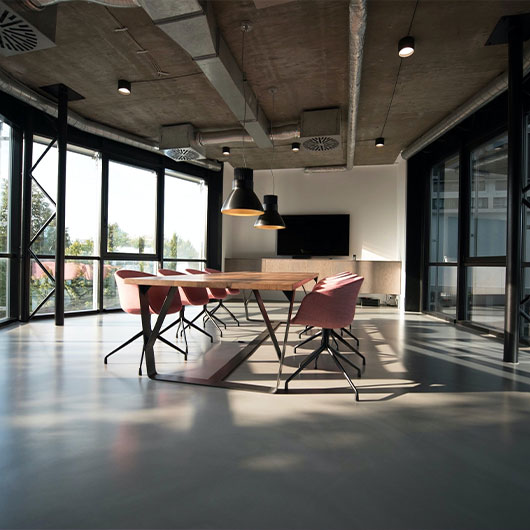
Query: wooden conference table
287, 282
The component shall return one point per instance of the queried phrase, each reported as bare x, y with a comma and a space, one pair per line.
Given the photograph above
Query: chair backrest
130, 297
215, 271
334, 278
214, 293
189, 295
332, 306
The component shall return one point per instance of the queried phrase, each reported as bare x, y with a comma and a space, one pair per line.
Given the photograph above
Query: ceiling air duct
320, 129
22, 31
177, 142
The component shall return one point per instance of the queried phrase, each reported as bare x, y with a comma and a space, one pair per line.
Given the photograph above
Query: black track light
406, 46
226, 151
124, 87
295, 147
380, 142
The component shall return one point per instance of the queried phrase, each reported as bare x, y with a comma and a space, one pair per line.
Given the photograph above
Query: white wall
374, 196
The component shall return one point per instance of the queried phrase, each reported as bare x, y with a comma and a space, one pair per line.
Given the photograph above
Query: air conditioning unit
22, 31
320, 129
177, 142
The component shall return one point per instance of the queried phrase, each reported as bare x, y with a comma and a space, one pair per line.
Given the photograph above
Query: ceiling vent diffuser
320, 130
177, 142
17, 35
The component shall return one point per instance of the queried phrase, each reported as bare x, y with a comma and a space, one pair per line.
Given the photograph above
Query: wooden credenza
380, 277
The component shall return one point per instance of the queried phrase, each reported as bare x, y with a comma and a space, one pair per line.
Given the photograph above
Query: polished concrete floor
440, 439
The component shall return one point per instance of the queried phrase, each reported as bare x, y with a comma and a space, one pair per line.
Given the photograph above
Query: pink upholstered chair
197, 296
130, 303
318, 286
213, 294
330, 307
230, 292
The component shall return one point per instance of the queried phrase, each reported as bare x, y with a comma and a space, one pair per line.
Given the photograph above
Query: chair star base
325, 345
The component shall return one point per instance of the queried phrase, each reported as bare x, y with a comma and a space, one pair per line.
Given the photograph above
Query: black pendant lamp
242, 200
270, 219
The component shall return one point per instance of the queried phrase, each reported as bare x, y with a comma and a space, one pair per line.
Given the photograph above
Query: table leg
267, 321
290, 296
151, 335
279, 352
246, 300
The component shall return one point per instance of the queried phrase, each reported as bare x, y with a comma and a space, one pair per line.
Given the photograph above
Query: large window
443, 241
185, 208
5, 190
132, 209
83, 184
114, 219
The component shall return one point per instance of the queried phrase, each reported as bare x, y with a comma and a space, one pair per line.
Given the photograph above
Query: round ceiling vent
182, 154
320, 143
16, 35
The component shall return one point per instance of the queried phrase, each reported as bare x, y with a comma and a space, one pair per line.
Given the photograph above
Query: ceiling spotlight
406, 46
380, 142
295, 147
124, 87
226, 151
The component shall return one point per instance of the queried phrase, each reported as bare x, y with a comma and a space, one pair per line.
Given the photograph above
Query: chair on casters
330, 307
197, 296
130, 302
228, 292
213, 294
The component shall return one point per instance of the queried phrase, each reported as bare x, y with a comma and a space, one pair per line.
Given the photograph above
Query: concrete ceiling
298, 46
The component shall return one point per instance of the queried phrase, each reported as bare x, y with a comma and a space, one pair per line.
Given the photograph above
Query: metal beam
62, 126
25, 257
515, 179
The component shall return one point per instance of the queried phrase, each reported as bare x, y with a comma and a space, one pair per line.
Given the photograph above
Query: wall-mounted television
314, 235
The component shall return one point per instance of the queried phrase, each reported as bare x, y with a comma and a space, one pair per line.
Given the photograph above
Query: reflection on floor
439, 439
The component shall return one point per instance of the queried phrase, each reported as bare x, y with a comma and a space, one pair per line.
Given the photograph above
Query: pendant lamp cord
243, 31
397, 75
273, 91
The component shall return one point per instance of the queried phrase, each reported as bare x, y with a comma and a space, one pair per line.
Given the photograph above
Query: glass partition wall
487, 233
475, 202
443, 243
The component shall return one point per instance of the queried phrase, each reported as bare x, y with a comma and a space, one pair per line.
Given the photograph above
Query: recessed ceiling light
380, 142
406, 46
124, 87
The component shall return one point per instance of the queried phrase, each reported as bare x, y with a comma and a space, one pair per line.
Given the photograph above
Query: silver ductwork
191, 25
37, 5
487, 94
22, 92
325, 169
357, 19
357, 25
236, 137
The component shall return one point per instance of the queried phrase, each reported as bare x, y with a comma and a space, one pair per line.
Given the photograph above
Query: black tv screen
314, 235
